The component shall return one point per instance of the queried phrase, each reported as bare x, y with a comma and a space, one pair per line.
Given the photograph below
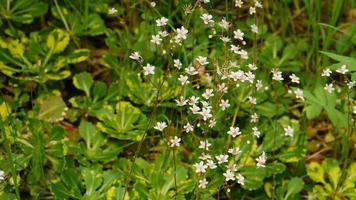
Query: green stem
62, 16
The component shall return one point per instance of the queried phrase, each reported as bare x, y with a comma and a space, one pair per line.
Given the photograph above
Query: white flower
259, 85
240, 179
182, 33
225, 39
208, 93
206, 1
224, 104
252, 100
252, 66
252, 10
193, 100
258, 4
222, 158
351, 84
256, 132
153, 4
195, 109
163, 33
135, 56
342, 70
162, 21
326, 72
202, 183
289, 131
175, 142
224, 24
238, 34
2, 175
205, 156
229, 175
261, 160
207, 18
294, 78
276, 75
254, 28
148, 69
234, 131
235, 49
329, 88
205, 112
211, 164
239, 3
188, 128
354, 109
181, 101
254, 118
200, 167
156, 39
202, 60
299, 94
112, 11
243, 54
177, 63
222, 88
160, 126
191, 71
183, 79
234, 151
212, 123
204, 145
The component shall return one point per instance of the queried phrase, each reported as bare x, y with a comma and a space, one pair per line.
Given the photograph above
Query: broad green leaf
83, 81
92, 180
338, 118
295, 186
313, 110
52, 109
78, 56
333, 170
16, 48
292, 154
58, 40
253, 177
316, 172
349, 61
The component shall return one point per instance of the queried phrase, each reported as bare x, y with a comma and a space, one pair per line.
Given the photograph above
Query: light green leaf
58, 40
83, 81
52, 109
315, 172
295, 185
78, 56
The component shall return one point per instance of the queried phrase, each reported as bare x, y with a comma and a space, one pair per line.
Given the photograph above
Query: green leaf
253, 177
52, 109
92, 180
58, 40
78, 55
292, 154
333, 170
295, 185
338, 118
315, 172
313, 110
349, 61
83, 81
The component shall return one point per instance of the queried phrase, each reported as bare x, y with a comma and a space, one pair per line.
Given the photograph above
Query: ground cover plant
178, 99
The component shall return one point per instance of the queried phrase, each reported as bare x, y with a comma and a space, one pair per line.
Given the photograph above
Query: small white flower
299, 94
191, 71
160, 126
289, 131
193, 100
162, 21
202, 60
2, 175
212, 123
205, 156
238, 34
183, 79
234, 131
351, 84
208, 93
342, 70
163, 33
294, 78
204, 145
235, 49
207, 18
177, 63
225, 39
206, 113
181, 101
354, 109
222, 88
252, 100
188, 128
112, 11
206, 1
276, 75
254, 118
326, 72
182, 33
238, 3
252, 66
229, 175
224, 24
156, 39
240, 179
224, 104
200, 167
329, 88
252, 10
222, 158
148, 69
153, 4
135, 56
258, 4
211, 164
234, 151
175, 142
261, 160
202, 183
259, 85
256, 132
254, 28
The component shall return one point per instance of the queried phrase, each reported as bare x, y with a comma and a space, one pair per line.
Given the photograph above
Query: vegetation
178, 99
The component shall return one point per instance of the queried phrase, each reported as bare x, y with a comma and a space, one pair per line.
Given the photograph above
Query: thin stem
62, 16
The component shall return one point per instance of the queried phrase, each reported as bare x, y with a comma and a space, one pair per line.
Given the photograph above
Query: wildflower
193, 100
202, 60
234, 131
354, 109
342, 70
205, 157
2, 175
224, 24
326, 72
191, 71
259, 85
258, 4
135, 56
294, 78
177, 63
212, 123
148, 69
182, 33
329, 88
206, 113
299, 94
289, 131
160, 126
162, 21
252, 10
240, 179
235, 49
202, 183
238, 34
256, 132
254, 28
229, 175
153, 4
181, 101
276, 75
188, 128
261, 160
225, 39
183, 80
222, 88
163, 33
112, 11
207, 18
252, 100
195, 109
252, 66
175, 142
254, 118
200, 167
204, 145
156, 39
222, 158
208, 93
234, 151
243, 54
239, 3
211, 164
351, 84
224, 104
